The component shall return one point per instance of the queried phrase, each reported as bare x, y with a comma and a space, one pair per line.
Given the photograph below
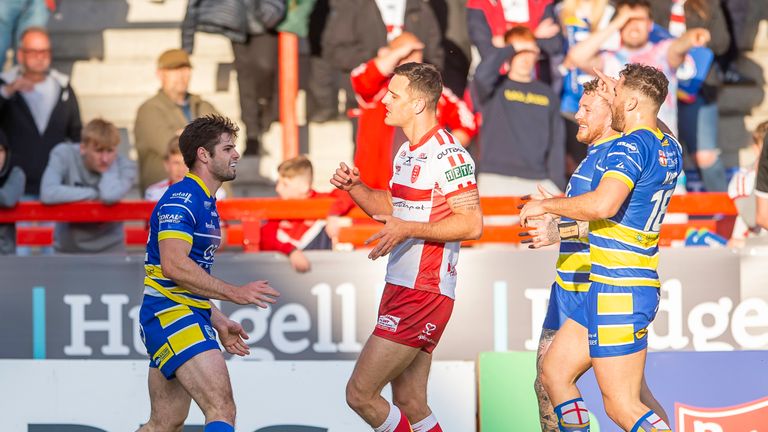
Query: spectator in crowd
736, 13
250, 25
357, 29
633, 21
489, 20
15, 17
698, 118
91, 170
325, 80
761, 186
522, 138
38, 108
578, 19
175, 169
12, 181
741, 189
165, 114
373, 155
293, 236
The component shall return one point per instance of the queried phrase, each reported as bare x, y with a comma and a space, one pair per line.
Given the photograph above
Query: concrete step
92, 15
130, 78
136, 44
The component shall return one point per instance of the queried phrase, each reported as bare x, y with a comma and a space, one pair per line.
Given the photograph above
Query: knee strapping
573, 416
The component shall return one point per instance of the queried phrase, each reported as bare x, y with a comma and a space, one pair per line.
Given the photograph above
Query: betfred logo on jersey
745, 417
459, 172
415, 173
388, 323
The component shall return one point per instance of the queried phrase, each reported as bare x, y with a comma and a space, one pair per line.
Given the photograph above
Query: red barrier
243, 218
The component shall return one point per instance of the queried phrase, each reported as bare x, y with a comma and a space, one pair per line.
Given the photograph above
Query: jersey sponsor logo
451, 270
421, 157
641, 333
408, 160
450, 150
210, 252
415, 173
172, 218
670, 177
207, 205
184, 196
459, 172
404, 205
665, 142
214, 214
210, 225
429, 328
662, 158
397, 169
388, 323
631, 148
402, 155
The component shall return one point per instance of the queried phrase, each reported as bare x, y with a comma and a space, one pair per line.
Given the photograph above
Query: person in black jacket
38, 108
356, 29
250, 25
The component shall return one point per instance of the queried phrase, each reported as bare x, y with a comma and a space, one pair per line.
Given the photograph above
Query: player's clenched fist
258, 293
345, 178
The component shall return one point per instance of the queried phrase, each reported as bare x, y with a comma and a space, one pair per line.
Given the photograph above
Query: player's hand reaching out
544, 232
533, 209
232, 337
345, 178
258, 293
394, 232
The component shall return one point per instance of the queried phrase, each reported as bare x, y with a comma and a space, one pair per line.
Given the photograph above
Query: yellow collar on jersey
200, 182
656, 132
605, 140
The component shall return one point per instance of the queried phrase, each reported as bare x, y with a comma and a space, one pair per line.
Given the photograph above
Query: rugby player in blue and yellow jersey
631, 189
573, 265
177, 317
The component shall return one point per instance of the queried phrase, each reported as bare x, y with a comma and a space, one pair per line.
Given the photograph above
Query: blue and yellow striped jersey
187, 211
624, 248
573, 265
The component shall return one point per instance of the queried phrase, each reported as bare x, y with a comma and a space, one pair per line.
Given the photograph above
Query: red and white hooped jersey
424, 177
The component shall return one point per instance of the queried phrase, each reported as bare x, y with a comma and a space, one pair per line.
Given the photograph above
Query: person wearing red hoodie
373, 153
293, 236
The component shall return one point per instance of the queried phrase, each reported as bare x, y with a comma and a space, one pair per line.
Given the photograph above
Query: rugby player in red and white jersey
431, 206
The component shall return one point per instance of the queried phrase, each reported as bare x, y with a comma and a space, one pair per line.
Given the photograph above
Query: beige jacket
157, 122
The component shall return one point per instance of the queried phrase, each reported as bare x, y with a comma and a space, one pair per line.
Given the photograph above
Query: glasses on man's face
36, 52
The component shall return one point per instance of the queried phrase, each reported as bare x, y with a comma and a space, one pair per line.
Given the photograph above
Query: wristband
568, 230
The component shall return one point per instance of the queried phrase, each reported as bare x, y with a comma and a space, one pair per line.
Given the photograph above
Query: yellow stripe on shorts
163, 354
614, 335
186, 337
614, 304
173, 314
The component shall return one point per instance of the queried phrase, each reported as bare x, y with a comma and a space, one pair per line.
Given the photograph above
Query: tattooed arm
466, 223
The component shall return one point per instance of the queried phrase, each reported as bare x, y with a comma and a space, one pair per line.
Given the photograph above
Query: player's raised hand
544, 232
345, 178
394, 232
258, 293
232, 337
546, 29
607, 87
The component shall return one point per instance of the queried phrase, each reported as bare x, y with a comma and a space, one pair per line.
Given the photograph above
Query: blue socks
651, 422
219, 426
573, 416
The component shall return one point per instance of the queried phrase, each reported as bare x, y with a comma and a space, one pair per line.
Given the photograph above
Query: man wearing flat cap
165, 114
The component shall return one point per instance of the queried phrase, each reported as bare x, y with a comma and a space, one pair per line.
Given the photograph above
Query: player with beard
177, 317
631, 188
573, 265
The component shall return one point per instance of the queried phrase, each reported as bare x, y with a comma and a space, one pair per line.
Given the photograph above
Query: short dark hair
204, 132
423, 78
591, 86
632, 4
647, 80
